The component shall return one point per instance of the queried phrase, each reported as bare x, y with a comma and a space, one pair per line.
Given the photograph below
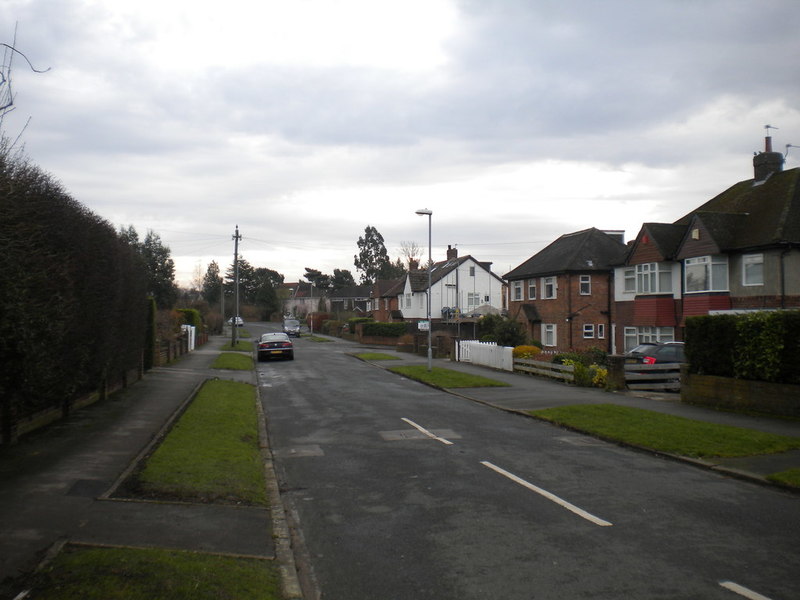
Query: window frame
585, 280
516, 291
657, 275
711, 274
549, 330
752, 259
532, 288
551, 282
601, 331
588, 331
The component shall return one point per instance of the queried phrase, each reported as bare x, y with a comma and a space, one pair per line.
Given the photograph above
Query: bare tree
6, 90
412, 253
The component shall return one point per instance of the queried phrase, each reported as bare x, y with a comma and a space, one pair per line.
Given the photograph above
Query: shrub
379, 329
526, 351
587, 375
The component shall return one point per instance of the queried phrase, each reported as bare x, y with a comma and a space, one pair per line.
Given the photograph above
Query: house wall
453, 291
569, 312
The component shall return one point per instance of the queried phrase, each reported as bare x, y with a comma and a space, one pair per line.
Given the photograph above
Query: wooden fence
661, 376
548, 369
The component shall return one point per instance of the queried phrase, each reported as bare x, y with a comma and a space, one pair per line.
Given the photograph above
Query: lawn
234, 361
376, 356
212, 453
241, 346
789, 477
446, 378
667, 433
92, 573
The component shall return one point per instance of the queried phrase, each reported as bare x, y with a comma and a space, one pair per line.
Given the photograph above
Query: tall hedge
379, 329
71, 294
761, 346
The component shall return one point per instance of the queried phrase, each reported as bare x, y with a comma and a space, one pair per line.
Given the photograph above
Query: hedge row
761, 346
72, 294
378, 329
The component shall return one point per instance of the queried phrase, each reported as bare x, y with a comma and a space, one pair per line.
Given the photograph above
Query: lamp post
429, 213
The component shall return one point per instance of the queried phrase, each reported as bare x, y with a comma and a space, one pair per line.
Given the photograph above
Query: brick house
383, 300
563, 295
738, 251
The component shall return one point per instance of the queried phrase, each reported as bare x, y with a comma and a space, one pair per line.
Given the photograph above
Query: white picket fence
486, 354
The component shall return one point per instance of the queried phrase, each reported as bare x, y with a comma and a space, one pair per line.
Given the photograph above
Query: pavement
60, 484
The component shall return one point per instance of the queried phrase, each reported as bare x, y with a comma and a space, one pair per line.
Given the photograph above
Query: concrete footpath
57, 485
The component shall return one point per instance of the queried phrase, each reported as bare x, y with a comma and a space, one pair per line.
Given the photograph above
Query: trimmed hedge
760, 346
378, 329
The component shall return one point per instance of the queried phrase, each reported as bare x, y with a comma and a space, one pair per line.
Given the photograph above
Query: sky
304, 122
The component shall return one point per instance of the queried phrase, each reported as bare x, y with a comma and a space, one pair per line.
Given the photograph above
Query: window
548, 334
516, 290
706, 274
641, 335
753, 269
601, 331
548, 288
472, 299
408, 300
421, 301
586, 285
531, 289
653, 278
588, 331
472, 271
630, 279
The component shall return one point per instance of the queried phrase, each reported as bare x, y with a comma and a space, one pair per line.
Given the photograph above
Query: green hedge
378, 329
191, 316
760, 346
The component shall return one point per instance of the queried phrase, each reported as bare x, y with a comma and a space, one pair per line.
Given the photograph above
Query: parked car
275, 345
651, 354
291, 327
238, 321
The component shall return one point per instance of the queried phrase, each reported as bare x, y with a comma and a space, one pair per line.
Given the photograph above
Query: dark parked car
650, 354
275, 345
291, 327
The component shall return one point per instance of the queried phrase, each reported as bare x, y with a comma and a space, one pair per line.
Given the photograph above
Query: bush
379, 329
587, 375
528, 352
760, 346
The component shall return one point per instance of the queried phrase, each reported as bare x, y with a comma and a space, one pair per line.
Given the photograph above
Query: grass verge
241, 346
446, 378
317, 338
92, 573
234, 361
667, 433
376, 356
212, 453
789, 477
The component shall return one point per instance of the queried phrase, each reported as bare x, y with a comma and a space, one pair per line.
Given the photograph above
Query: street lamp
427, 211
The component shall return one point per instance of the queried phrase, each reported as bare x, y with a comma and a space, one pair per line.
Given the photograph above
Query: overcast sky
303, 121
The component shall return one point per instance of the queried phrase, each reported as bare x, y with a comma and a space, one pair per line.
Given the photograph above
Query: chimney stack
451, 252
766, 163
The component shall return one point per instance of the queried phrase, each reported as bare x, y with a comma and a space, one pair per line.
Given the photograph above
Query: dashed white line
552, 497
742, 591
428, 433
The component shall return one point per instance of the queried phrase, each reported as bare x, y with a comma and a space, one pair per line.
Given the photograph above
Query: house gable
656, 242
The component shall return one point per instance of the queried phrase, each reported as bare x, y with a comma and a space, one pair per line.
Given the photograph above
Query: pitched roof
419, 278
353, 291
388, 287
586, 250
666, 236
768, 212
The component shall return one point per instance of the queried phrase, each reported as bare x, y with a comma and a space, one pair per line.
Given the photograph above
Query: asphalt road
400, 491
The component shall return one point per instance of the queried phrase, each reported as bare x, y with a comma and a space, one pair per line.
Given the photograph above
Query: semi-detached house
740, 251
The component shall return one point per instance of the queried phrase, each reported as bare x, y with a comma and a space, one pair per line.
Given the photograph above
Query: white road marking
552, 497
742, 591
428, 433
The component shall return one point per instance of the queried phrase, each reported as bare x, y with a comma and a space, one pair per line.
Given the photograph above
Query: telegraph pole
234, 325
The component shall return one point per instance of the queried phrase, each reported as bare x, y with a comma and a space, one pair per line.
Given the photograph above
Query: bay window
706, 274
653, 278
